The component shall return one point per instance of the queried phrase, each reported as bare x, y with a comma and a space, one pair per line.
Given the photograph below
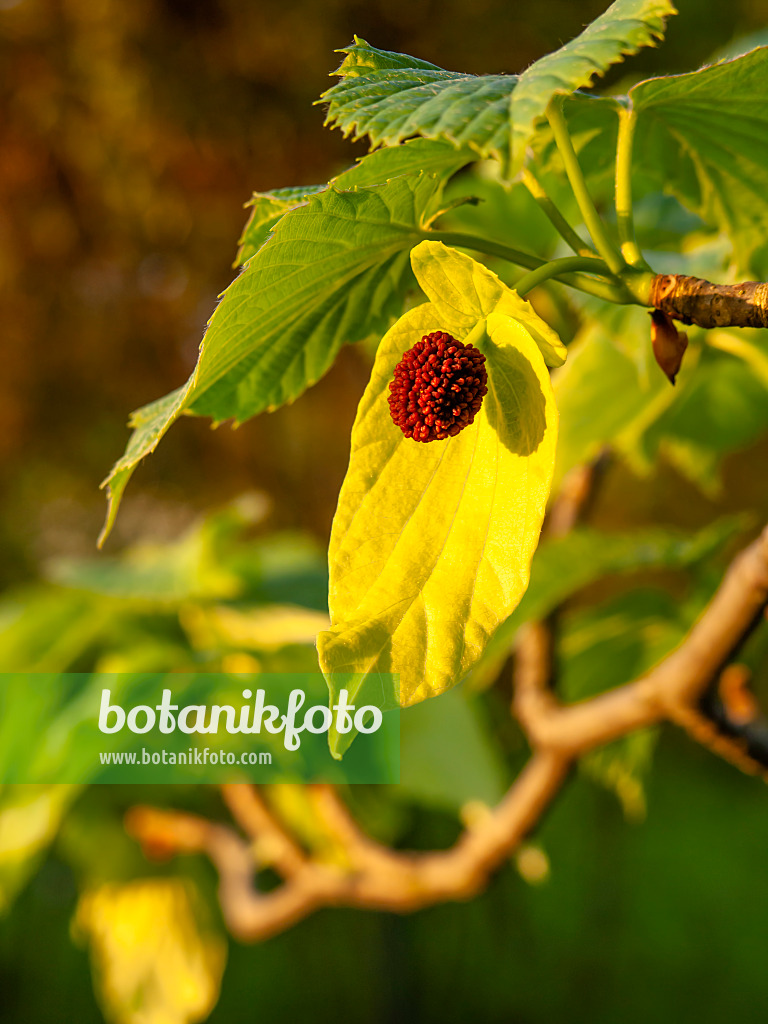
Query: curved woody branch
377, 877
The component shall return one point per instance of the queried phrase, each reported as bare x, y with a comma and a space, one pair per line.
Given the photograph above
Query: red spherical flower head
438, 387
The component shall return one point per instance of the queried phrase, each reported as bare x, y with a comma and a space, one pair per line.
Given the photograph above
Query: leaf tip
113, 503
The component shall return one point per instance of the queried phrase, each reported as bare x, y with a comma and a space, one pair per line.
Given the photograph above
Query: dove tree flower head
438, 386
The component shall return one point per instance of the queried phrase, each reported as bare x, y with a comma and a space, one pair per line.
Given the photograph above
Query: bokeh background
131, 134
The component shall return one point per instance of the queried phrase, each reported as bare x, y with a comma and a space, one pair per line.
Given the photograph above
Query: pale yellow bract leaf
432, 543
153, 963
464, 291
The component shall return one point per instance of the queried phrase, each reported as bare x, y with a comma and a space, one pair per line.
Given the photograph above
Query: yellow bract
153, 963
464, 291
432, 543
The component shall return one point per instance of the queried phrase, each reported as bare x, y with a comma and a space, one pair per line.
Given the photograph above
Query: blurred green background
132, 132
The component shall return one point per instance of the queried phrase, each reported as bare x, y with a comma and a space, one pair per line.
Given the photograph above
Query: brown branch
672, 689
382, 879
376, 877
250, 914
695, 301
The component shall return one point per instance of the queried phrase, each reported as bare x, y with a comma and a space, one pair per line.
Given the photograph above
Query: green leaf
149, 425
603, 363
362, 59
431, 156
415, 155
431, 735
391, 96
568, 564
606, 646
563, 567
163, 574
704, 136
724, 408
49, 629
431, 544
283, 568
626, 27
266, 210
334, 271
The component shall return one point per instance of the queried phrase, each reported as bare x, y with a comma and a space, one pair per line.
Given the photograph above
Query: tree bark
695, 301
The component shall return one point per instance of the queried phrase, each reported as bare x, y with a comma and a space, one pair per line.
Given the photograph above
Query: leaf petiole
610, 290
556, 268
592, 220
630, 250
